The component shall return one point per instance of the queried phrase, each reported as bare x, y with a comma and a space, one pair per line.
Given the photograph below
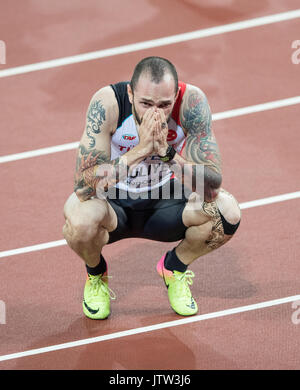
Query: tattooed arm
201, 146
94, 168
94, 147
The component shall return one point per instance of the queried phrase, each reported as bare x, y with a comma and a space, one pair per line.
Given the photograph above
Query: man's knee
217, 231
83, 220
198, 235
229, 210
79, 230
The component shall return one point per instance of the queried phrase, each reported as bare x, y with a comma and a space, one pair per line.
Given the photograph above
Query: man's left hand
161, 133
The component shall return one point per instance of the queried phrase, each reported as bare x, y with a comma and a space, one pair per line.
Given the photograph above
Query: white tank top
151, 172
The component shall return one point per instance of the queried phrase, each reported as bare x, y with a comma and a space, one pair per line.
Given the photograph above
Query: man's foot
180, 296
97, 295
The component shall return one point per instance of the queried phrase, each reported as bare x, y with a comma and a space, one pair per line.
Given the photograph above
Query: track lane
242, 279
223, 343
259, 264
32, 30
36, 113
42, 184
232, 296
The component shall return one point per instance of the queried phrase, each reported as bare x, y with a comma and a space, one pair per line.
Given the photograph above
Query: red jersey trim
183, 146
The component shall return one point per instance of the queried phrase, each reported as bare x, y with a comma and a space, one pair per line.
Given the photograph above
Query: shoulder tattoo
95, 119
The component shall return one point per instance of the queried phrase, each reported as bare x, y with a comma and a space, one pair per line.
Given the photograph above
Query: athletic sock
99, 269
173, 263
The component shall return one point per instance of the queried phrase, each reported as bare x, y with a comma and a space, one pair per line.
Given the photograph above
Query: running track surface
42, 290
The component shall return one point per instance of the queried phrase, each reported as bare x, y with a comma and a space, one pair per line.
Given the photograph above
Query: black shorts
154, 219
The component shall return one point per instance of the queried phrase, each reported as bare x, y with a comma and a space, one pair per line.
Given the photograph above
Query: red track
42, 290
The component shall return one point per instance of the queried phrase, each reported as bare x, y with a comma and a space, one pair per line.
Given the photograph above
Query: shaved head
156, 68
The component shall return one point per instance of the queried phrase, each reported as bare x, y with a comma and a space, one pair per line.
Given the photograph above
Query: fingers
149, 114
163, 121
149, 118
157, 114
154, 121
162, 117
147, 130
158, 133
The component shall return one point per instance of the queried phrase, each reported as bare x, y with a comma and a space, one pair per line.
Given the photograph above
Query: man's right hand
146, 132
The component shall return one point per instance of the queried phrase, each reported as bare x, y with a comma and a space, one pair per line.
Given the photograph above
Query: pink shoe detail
162, 271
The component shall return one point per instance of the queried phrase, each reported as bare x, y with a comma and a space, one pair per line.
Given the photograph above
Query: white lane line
215, 117
256, 108
39, 152
245, 205
207, 32
270, 200
33, 248
151, 328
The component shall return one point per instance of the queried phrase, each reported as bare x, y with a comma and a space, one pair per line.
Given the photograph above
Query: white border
126, 49
151, 328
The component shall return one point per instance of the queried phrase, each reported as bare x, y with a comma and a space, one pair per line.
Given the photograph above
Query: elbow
212, 184
212, 177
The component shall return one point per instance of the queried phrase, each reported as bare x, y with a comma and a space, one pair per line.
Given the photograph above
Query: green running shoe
97, 296
180, 296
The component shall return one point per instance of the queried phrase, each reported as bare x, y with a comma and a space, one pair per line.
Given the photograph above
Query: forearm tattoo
85, 167
201, 146
90, 159
94, 168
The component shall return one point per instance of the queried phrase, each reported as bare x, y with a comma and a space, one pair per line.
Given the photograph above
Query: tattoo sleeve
201, 146
96, 172
95, 119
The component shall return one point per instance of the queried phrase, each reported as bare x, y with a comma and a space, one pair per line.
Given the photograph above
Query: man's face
148, 94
